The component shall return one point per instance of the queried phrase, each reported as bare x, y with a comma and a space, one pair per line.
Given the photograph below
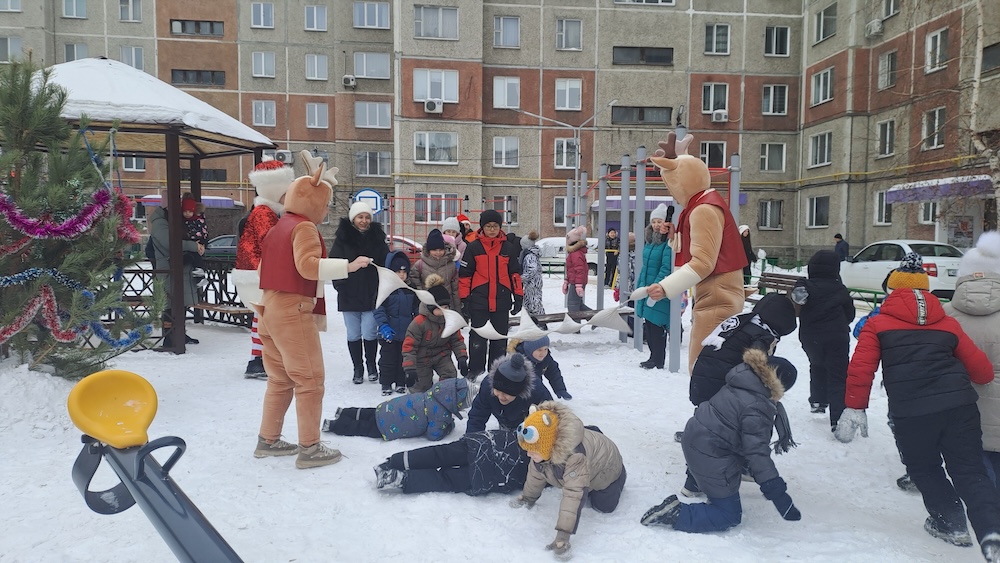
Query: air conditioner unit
433, 106
720, 116
284, 156
350, 81
873, 28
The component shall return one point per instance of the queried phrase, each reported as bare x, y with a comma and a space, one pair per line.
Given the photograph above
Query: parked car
222, 247
410, 247
868, 269
554, 253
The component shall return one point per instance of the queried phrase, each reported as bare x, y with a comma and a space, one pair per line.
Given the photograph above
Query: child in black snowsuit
826, 312
537, 352
393, 318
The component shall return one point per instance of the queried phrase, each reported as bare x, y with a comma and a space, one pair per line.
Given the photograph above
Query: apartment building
851, 116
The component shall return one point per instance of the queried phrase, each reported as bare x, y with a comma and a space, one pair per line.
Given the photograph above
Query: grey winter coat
427, 413
159, 228
444, 267
976, 306
734, 425
531, 280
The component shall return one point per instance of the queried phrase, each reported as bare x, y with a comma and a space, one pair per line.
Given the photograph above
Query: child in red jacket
577, 271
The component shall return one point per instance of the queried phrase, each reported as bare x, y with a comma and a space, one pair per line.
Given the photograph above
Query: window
776, 40
887, 70
936, 50
264, 112
74, 8
559, 211
569, 35
373, 163
75, 51
195, 27
569, 92
890, 8
826, 22
507, 206
886, 138
991, 57
435, 84
566, 154
434, 208
373, 115
772, 157
10, 5
822, 86
315, 18
934, 129
717, 39
713, 97
263, 64
769, 214
507, 32
132, 56
928, 212
435, 22
641, 115
775, 101
10, 47
506, 151
819, 211
660, 56
130, 10
713, 154
198, 77
318, 116
506, 92
316, 67
820, 149
371, 65
883, 210
435, 148
262, 15
133, 164
371, 15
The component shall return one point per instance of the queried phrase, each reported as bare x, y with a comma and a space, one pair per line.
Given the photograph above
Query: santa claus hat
271, 179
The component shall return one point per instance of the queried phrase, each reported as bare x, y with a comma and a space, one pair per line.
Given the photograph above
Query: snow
269, 511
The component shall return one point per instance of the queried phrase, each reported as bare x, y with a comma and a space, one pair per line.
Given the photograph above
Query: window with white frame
263, 64
506, 152
883, 209
10, 5
262, 15
264, 113
506, 92
559, 211
934, 129
371, 65
569, 35
132, 56
130, 10
890, 8
317, 116
507, 32
776, 41
775, 100
435, 22
714, 96
373, 115
566, 154
75, 51
434, 208
821, 149
826, 22
435, 84
10, 48
819, 211
928, 212
822, 86
371, 15
713, 154
133, 164
507, 206
373, 163
569, 93
434, 147
887, 137
936, 51
772, 157
887, 70
769, 214
74, 8
317, 67
991, 58
641, 115
315, 18
717, 39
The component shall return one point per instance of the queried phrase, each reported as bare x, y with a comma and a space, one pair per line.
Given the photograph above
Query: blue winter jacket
656, 259
398, 309
510, 415
427, 413
547, 368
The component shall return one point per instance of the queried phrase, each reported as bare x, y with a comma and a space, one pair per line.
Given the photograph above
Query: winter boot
959, 537
817, 408
678, 436
385, 476
357, 357
278, 448
690, 488
991, 547
371, 355
386, 390
665, 513
316, 455
907, 484
255, 369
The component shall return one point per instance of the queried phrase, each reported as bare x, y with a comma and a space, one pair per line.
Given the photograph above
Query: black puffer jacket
359, 290
828, 310
496, 462
510, 415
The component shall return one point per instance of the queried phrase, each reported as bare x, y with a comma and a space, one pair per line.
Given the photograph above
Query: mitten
463, 366
565, 287
520, 502
580, 290
386, 332
560, 545
518, 302
564, 394
617, 294
465, 309
850, 422
411, 377
774, 490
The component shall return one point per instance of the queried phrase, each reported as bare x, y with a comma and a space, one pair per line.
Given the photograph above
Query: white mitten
850, 422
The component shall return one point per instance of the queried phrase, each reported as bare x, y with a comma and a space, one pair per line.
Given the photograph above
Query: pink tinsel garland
45, 300
69, 229
126, 231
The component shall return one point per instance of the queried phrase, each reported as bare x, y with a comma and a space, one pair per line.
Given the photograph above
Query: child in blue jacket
393, 317
537, 352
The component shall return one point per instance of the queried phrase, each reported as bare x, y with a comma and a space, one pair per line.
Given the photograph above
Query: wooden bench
782, 283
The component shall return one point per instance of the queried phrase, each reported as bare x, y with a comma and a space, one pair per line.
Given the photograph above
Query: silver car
870, 267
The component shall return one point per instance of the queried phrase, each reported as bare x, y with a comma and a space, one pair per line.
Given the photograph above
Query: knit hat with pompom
984, 258
435, 284
511, 374
909, 275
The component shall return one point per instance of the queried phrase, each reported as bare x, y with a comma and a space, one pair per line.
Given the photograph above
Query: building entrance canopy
929, 190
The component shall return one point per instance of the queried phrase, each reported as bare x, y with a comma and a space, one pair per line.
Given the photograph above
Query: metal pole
624, 267
602, 224
581, 197
734, 186
639, 227
576, 175
569, 206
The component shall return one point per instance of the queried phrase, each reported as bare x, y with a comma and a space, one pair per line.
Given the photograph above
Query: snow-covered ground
269, 511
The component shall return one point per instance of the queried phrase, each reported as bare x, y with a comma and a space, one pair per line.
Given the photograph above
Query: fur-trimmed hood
577, 245
530, 379
569, 433
354, 237
757, 360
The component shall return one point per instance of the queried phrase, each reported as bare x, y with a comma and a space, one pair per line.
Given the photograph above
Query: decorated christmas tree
65, 235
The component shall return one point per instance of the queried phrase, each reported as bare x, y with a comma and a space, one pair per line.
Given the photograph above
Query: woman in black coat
612, 247
748, 249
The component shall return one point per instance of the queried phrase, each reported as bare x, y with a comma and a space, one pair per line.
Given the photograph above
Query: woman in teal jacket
656, 259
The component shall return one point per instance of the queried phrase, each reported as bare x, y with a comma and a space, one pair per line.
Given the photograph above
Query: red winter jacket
489, 276
576, 263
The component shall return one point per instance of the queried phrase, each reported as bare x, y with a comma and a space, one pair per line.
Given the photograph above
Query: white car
870, 267
554, 253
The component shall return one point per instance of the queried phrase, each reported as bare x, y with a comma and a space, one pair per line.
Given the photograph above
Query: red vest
731, 254
278, 271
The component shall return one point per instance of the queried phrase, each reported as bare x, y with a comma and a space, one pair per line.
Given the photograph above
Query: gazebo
155, 120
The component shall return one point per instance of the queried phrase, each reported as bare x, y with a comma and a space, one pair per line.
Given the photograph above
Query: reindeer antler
316, 168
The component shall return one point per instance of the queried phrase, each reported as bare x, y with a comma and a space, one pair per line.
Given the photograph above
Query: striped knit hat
909, 275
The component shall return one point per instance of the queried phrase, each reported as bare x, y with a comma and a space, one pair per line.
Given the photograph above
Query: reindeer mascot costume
707, 246
293, 312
